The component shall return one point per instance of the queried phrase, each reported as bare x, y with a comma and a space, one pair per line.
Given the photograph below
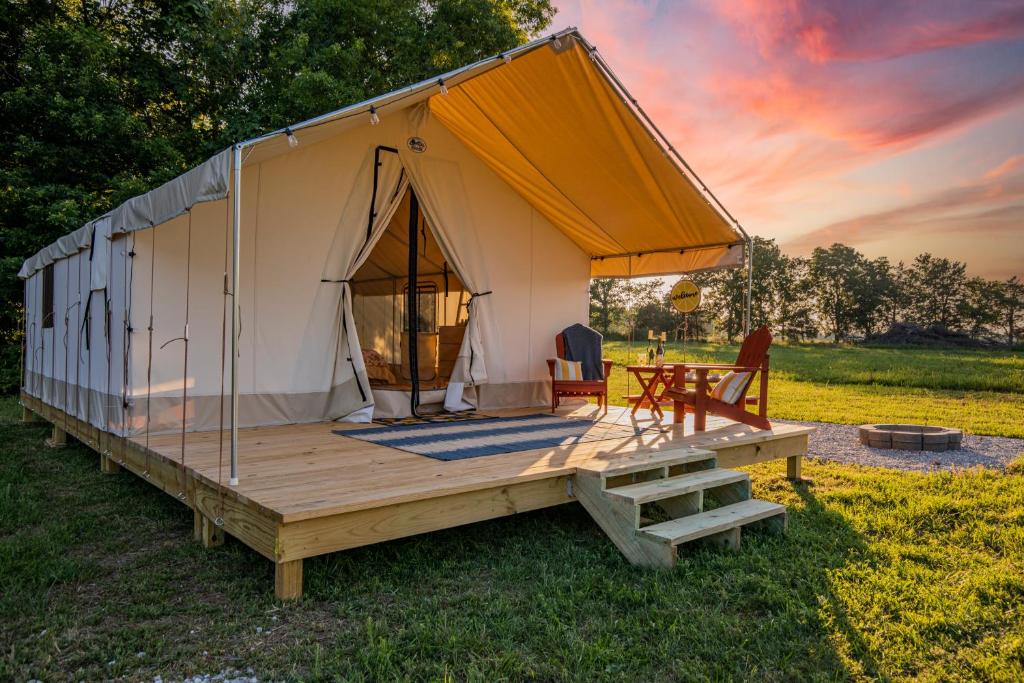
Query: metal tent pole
236, 317
750, 287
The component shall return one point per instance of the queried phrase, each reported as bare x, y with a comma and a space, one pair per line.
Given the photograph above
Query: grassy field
882, 574
981, 392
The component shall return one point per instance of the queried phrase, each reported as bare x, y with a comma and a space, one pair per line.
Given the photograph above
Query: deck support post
108, 466
205, 531
58, 438
288, 580
27, 415
793, 465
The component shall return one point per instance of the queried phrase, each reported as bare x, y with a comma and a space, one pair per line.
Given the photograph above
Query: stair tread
659, 489
643, 461
702, 524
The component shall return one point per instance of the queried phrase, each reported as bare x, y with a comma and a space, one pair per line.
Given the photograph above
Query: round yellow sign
685, 296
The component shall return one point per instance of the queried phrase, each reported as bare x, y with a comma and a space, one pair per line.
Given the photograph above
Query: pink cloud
994, 204
830, 30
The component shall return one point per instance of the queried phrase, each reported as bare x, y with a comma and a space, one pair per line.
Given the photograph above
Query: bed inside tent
403, 361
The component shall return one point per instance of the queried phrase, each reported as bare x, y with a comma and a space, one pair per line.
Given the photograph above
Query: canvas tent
247, 291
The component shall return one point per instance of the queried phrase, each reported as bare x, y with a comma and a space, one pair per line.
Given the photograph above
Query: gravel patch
839, 443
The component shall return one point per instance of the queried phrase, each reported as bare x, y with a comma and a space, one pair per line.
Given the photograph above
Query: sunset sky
890, 125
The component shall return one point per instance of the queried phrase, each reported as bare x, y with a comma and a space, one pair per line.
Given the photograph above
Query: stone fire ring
911, 437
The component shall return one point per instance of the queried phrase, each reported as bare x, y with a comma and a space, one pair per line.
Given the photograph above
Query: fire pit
911, 437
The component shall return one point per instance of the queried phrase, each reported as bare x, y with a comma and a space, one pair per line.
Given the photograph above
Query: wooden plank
619, 519
613, 466
690, 528
58, 438
288, 580
794, 465
312, 537
206, 531
247, 522
306, 491
649, 491
108, 466
730, 538
781, 446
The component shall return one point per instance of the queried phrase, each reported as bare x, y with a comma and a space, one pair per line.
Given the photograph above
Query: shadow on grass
848, 544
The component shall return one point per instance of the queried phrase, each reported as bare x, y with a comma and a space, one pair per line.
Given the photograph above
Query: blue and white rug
489, 436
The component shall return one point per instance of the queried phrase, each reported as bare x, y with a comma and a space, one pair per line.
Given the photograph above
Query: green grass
881, 575
981, 392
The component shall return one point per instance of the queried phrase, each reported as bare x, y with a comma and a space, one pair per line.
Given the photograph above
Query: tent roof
550, 119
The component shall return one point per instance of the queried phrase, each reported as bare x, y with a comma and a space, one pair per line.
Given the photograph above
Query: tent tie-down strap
344, 327
469, 304
351, 360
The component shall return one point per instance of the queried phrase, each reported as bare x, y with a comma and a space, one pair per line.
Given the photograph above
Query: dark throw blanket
584, 345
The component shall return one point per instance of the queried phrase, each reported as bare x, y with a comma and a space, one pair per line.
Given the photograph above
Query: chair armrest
551, 367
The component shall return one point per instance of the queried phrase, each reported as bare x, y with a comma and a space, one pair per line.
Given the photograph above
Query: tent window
426, 308
48, 296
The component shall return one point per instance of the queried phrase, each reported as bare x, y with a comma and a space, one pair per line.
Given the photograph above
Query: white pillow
729, 388
568, 369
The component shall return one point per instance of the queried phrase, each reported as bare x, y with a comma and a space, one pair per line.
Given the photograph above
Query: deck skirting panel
311, 537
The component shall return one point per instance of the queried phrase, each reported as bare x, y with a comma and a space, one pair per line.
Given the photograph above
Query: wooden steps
659, 489
700, 500
648, 462
702, 524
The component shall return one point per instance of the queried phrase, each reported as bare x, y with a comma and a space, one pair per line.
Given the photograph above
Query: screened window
48, 296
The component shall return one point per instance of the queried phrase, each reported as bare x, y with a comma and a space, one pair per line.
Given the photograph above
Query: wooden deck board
305, 471
305, 491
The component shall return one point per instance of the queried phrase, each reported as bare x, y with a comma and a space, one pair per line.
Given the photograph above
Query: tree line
103, 100
836, 293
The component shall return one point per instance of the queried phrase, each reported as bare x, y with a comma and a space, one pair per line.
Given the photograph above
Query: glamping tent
416, 251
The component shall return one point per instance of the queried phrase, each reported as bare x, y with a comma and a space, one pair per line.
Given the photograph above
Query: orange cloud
994, 205
830, 30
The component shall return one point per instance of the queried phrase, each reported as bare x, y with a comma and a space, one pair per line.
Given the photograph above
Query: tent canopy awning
554, 128
552, 121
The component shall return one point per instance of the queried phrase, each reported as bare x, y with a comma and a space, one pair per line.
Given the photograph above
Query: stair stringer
620, 520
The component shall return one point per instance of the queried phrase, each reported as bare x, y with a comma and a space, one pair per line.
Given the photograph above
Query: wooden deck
304, 490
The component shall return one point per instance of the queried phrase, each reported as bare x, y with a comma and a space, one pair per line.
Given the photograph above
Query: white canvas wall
303, 220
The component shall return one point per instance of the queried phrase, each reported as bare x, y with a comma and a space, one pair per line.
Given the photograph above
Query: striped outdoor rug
489, 436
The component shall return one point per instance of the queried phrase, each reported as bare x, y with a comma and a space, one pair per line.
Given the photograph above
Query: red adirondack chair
752, 358
580, 387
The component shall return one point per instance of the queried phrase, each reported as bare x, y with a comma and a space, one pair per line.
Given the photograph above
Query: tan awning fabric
553, 127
